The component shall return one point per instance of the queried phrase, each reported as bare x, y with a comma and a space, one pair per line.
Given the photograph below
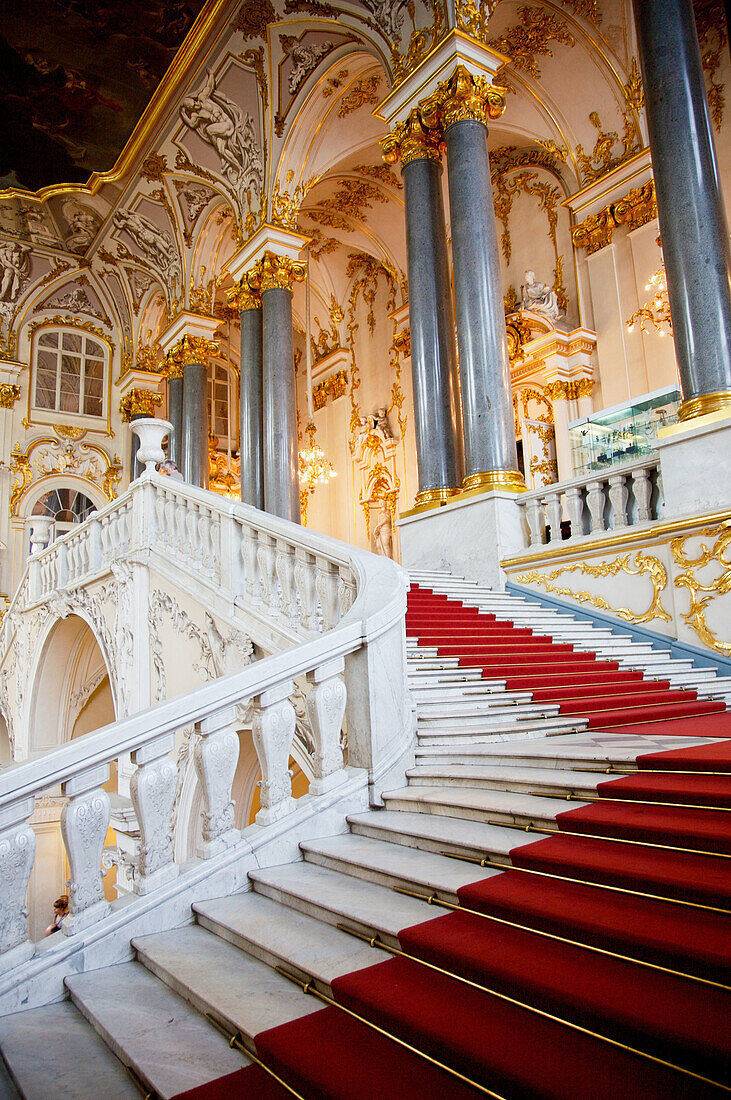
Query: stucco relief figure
84, 225
220, 122
157, 245
14, 269
305, 59
539, 298
382, 424
383, 532
388, 14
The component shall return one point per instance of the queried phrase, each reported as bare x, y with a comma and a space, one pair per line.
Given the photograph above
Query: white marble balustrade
603, 501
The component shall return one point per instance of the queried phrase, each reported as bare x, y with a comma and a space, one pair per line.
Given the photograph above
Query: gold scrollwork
193, 349
9, 394
88, 461
638, 207
463, 96
333, 387
411, 140
138, 402
644, 565
275, 272
695, 617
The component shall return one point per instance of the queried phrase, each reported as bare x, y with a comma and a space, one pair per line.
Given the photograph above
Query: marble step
8, 1090
474, 691
438, 833
503, 807
393, 865
508, 703
336, 898
468, 730
214, 976
53, 1052
279, 935
170, 1047
445, 674
555, 782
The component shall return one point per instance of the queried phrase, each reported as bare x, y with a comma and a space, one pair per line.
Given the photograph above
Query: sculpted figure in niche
382, 424
539, 298
84, 225
156, 244
383, 532
14, 269
219, 122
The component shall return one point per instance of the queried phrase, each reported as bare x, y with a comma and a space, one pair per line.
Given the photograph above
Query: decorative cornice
463, 96
193, 349
638, 207
333, 387
9, 394
571, 390
138, 402
411, 140
274, 272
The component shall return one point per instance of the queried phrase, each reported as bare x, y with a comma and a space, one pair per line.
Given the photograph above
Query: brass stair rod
611, 839
236, 1042
377, 942
573, 797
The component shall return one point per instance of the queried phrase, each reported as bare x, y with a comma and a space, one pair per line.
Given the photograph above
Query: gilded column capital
138, 402
274, 272
463, 96
411, 140
9, 394
242, 295
193, 349
171, 368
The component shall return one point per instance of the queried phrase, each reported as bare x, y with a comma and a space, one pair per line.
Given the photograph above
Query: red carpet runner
628, 912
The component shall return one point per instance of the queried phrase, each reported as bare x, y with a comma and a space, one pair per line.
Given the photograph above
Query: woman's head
61, 904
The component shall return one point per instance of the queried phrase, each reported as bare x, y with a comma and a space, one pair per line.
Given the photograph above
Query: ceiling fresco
75, 77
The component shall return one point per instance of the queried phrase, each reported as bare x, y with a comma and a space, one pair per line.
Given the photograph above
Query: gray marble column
252, 466
690, 206
491, 459
195, 424
431, 318
281, 481
175, 415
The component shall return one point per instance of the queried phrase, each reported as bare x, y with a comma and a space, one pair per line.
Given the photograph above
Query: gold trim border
630, 536
704, 405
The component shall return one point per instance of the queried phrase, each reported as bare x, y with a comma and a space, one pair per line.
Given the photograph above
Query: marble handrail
611, 499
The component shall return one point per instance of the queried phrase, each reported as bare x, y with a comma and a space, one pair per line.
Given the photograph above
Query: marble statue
539, 298
382, 424
383, 533
221, 123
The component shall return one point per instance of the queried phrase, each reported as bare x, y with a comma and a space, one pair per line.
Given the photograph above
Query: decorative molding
703, 593
462, 96
138, 402
594, 165
522, 43
192, 349
47, 456
569, 390
275, 272
9, 394
422, 40
637, 208
644, 565
330, 389
411, 140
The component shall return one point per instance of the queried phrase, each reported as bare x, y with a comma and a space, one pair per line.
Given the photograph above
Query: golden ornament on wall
703, 592
9, 394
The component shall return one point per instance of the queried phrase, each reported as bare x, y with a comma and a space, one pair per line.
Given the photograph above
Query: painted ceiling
75, 77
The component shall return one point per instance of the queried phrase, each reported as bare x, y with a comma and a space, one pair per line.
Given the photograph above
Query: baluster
273, 727
285, 574
249, 549
265, 557
346, 590
575, 510
304, 579
194, 547
536, 521
160, 518
181, 535
552, 505
214, 543
152, 789
216, 755
17, 852
326, 586
325, 710
84, 824
170, 524
618, 495
595, 504
643, 493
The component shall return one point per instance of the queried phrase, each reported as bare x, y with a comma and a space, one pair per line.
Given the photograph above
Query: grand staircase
542, 911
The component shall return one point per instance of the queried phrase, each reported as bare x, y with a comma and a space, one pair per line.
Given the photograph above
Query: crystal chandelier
314, 468
656, 312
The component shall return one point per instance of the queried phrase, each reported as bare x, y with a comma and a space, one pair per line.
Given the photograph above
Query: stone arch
71, 666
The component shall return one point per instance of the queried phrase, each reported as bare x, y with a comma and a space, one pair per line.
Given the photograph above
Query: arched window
219, 416
67, 506
70, 369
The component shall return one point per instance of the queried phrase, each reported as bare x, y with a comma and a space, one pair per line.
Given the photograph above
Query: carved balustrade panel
273, 727
152, 789
326, 703
216, 754
17, 852
84, 825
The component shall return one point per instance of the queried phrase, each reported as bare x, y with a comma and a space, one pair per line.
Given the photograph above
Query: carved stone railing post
552, 502
84, 824
267, 562
285, 575
273, 728
618, 495
152, 789
325, 710
346, 590
326, 584
304, 578
216, 755
642, 489
536, 522
17, 852
249, 551
575, 511
595, 503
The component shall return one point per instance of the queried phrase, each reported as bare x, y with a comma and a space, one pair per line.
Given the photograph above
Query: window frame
91, 421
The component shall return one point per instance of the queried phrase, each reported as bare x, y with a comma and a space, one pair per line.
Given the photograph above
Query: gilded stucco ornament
274, 272
48, 456
242, 296
9, 394
138, 402
463, 96
635, 209
704, 592
411, 140
194, 349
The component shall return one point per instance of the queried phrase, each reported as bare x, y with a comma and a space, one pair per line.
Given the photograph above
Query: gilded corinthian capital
463, 96
411, 140
242, 295
193, 349
273, 272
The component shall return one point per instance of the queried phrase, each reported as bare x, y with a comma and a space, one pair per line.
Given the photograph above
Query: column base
706, 403
434, 496
509, 481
